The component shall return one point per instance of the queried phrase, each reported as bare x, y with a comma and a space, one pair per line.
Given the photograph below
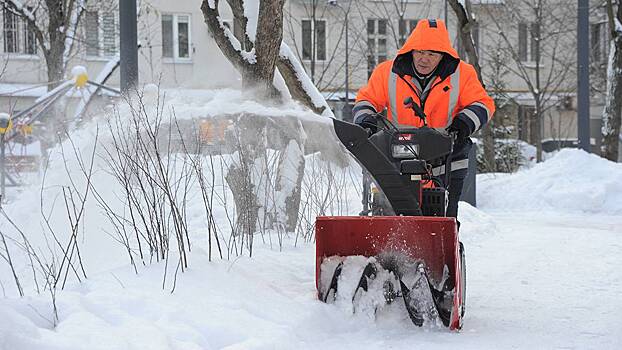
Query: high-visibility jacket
454, 92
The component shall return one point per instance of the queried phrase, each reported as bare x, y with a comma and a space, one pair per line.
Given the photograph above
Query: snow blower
407, 249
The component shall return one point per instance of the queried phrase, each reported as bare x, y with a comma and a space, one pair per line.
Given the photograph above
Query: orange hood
429, 34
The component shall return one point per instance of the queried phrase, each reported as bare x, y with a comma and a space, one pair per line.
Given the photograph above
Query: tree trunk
489, 146
56, 33
239, 24
250, 74
267, 46
294, 84
537, 129
465, 23
239, 177
259, 74
291, 172
610, 128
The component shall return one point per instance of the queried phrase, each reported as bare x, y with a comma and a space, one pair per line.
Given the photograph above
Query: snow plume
111, 202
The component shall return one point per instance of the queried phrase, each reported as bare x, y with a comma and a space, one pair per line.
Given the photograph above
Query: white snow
78, 70
251, 12
543, 254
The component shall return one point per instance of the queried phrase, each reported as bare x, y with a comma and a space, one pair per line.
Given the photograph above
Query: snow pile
476, 227
571, 180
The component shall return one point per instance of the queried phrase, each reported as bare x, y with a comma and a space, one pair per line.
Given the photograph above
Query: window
100, 34
528, 48
406, 27
461, 47
314, 39
109, 34
599, 43
176, 36
91, 33
376, 43
18, 35
11, 40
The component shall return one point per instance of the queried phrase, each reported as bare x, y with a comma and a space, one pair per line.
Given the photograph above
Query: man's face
426, 61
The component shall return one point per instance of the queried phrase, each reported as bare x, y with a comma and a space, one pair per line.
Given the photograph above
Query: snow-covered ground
543, 249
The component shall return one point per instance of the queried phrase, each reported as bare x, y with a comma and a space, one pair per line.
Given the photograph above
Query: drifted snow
571, 181
542, 249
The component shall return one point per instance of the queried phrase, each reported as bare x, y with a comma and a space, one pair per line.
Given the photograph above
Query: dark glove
460, 127
367, 121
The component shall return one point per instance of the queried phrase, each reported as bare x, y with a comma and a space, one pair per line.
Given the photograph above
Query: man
428, 69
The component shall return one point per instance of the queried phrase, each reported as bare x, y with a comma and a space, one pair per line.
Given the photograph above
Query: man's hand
367, 121
460, 127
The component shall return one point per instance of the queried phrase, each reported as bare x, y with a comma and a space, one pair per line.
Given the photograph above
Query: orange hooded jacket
455, 91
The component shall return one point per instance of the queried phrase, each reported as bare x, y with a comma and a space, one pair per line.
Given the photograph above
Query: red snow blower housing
402, 233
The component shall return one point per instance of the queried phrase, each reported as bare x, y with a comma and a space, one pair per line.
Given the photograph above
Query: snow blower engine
402, 245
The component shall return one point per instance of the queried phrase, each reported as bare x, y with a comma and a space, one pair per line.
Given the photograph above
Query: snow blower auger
402, 246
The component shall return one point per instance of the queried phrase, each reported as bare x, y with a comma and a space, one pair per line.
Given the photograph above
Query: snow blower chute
405, 245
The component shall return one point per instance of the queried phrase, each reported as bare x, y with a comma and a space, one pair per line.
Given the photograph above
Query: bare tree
256, 58
466, 21
613, 102
54, 24
362, 52
541, 63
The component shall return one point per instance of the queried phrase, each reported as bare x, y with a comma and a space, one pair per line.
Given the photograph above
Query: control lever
410, 103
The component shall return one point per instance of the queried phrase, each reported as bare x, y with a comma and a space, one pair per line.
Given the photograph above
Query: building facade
176, 50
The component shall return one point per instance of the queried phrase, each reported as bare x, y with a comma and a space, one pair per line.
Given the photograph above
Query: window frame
102, 50
314, 35
21, 36
530, 43
99, 29
175, 35
599, 46
373, 51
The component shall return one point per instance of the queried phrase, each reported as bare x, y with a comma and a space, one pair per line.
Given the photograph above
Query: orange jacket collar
429, 34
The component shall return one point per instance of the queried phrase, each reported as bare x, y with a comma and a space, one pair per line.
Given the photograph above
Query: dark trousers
455, 191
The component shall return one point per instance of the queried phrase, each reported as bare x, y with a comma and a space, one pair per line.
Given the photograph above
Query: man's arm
372, 98
478, 106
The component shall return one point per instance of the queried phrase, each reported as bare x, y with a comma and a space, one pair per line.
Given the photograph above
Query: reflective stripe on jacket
455, 91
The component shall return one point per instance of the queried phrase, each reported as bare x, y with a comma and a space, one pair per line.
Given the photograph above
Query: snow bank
571, 180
